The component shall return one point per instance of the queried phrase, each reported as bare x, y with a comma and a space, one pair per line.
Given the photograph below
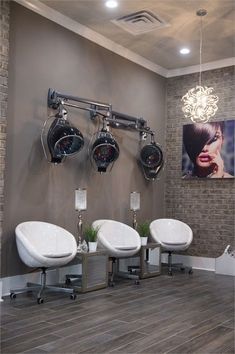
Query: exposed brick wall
206, 205
4, 51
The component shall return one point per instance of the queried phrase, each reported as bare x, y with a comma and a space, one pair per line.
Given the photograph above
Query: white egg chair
44, 245
118, 239
173, 235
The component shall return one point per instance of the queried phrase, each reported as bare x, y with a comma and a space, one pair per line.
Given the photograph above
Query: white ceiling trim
206, 66
74, 26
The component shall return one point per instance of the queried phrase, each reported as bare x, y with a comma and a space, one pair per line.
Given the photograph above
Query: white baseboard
19, 281
204, 263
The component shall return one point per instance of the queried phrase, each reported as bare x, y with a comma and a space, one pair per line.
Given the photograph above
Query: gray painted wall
43, 55
4, 55
207, 205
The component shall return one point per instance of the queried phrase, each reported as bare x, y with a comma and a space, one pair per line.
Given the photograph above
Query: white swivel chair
173, 235
118, 239
43, 245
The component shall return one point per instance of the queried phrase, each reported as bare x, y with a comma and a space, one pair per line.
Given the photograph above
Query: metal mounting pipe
54, 100
115, 119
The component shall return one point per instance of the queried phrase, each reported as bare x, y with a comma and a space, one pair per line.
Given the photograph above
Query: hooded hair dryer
104, 151
151, 159
62, 138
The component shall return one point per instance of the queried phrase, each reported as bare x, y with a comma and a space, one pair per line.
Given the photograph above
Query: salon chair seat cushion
174, 243
125, 248
59, 255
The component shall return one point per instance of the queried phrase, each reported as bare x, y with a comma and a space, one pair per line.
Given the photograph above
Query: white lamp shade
80, 199
135, 201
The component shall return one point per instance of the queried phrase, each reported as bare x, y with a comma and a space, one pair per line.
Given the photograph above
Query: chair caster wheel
170, 273
137, 282
190, 271
40, 300
12, 296
111, 283
68, 281
73, 296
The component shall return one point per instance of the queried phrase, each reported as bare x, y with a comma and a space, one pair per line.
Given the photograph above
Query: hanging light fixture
199, 102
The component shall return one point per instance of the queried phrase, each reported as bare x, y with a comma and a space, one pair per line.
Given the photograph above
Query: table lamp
80, 205
135, 206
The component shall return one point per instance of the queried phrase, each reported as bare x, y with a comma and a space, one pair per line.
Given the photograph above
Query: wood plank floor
177, 315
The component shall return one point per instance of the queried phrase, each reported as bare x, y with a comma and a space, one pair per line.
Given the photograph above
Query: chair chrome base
116, 272
40, 288
176, 266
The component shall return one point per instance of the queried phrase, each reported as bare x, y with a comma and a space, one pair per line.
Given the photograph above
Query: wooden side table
94, 272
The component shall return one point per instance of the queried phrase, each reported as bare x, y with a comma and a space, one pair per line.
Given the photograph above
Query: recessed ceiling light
184, 51
111, 4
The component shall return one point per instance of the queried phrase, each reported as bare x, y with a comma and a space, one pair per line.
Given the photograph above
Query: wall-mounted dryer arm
94, 112
120, 120
114, 119
55, 99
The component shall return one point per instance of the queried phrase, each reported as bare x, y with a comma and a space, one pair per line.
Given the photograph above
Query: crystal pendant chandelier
199, 102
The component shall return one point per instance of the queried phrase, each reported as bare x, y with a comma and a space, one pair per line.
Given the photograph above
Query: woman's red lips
204, 157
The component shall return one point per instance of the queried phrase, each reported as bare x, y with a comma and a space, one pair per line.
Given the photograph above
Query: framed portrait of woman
208, 150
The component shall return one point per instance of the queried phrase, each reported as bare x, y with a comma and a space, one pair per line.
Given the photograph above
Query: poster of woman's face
208, 150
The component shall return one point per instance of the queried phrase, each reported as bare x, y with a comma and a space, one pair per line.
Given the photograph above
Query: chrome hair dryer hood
151, 160
62, 138
104, 151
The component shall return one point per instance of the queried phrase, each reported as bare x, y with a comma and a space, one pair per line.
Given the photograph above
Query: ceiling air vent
140, 22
